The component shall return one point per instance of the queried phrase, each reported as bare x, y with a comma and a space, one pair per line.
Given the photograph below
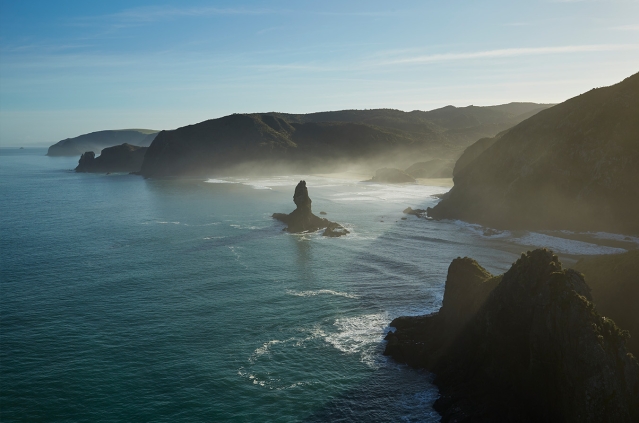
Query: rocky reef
527, 346
121, 158
391, 176
302, 218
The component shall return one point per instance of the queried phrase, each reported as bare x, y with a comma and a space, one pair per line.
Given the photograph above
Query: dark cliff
302, 218
96, 141
614, 281
121, 158
572, 166
529, 346
324, 141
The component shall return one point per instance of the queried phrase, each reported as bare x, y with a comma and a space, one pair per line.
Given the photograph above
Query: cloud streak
510, 52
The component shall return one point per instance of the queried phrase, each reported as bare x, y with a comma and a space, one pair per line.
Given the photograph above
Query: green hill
326, 141
572, 166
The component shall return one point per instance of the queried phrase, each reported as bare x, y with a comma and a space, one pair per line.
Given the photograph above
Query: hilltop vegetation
326, 141
572, 166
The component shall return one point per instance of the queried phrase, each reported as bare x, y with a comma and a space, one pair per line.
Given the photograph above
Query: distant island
525, 346
573, 166
96, 141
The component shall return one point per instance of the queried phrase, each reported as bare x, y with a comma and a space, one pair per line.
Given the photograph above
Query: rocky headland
326, 141
573, 166
302, 218
96, 141
121, 158
526, 346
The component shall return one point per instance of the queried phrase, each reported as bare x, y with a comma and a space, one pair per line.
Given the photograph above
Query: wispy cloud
155, 13
510, 52
626, 28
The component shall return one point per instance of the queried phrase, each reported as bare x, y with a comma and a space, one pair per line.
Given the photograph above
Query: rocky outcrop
415, 212
614, 281
435, 168
573, 166
391, 176
526, 347
302, 218
96, 141
121, 158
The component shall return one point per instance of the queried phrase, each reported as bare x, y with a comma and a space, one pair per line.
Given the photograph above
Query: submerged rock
302, 218
528, 346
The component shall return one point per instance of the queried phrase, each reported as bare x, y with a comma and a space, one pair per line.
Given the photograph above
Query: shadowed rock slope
325, 141
121, 158
573, 166
614, 281
96, 141
302, 218
527, 346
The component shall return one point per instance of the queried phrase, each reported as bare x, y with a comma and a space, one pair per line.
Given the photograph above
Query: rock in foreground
121, 158
302, 218
526, 347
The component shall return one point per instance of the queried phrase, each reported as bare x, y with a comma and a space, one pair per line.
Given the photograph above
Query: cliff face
96, 141
302, 218
121, 158
614, 281
529, 347
573, 166
324, 141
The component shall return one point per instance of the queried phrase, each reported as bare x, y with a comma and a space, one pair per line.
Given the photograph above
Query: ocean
131, 299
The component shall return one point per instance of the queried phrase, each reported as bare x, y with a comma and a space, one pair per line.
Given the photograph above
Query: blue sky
71, 67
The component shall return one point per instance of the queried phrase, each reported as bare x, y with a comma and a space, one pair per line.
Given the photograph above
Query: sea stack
302, 218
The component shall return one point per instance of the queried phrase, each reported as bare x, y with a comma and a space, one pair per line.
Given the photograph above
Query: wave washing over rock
526, 346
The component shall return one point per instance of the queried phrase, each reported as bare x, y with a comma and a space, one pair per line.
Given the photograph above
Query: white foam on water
360, 335
615, 237
320, 292
566, 246
390, 193
219, 181
483, 231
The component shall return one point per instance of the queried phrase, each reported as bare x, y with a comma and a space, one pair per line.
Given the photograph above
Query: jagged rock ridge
526, 347
302, 218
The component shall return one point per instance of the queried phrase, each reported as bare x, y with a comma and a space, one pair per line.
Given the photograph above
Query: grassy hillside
572, 166
327, 140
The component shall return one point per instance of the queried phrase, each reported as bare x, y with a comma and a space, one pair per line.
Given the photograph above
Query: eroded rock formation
302, 218
121, 158
526, 347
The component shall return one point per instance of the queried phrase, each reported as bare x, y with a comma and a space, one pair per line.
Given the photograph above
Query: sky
72, 67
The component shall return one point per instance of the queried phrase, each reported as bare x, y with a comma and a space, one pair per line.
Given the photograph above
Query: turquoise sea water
125, 299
